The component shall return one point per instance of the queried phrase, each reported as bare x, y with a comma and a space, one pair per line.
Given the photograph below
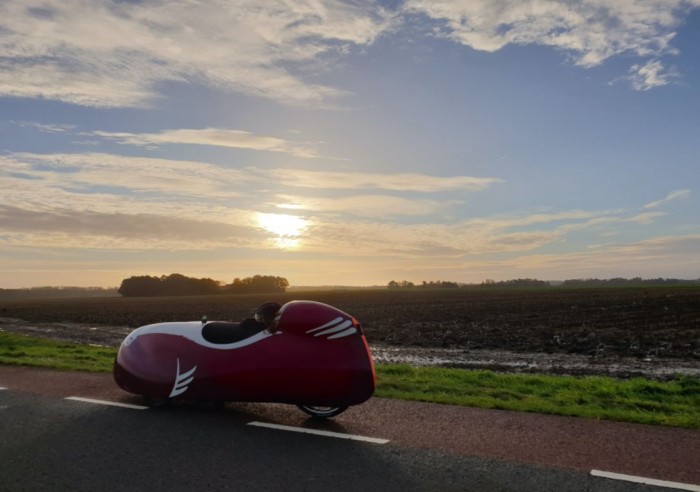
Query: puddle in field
501, 360
498, 360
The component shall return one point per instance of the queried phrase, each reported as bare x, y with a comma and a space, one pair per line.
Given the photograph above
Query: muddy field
582, 331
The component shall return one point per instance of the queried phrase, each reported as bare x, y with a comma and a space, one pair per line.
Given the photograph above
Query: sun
287, 228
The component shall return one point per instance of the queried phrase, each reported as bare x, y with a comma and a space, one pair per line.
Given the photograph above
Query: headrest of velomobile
316, 319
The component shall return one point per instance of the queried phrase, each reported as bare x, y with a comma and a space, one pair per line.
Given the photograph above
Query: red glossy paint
319, 356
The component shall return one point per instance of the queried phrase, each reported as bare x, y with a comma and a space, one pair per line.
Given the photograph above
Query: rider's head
266, 313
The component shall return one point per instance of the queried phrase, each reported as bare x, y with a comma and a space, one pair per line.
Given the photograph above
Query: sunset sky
348, 143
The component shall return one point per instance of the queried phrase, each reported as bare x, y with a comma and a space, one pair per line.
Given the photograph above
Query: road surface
48, 441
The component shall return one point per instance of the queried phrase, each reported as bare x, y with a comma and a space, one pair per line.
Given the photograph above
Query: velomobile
309, 354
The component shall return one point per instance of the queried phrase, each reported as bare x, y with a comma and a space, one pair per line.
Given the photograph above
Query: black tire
155, 402
320, 412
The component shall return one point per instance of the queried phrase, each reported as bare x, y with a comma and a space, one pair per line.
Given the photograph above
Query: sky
348, 143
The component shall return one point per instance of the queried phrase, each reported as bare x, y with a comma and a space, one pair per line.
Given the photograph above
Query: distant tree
439, 284
404, 284
57, 292
623, 282
168, 285
180, 285
140, 286
258, 284
516, 283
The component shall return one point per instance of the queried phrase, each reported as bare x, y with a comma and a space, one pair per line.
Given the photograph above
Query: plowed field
636, 322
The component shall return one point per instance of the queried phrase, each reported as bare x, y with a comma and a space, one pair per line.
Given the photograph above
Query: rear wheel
155, 402
321, 412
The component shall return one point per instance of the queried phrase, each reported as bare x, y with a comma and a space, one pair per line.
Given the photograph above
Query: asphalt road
50, 443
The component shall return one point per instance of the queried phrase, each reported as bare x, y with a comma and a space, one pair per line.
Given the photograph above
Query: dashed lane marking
338, 435
105, 402
646, 481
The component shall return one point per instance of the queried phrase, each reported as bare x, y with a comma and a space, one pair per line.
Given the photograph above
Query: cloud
335, 180
589, 31
107, 202
139, 175
114, 54
44, 128
649, 75
377, 206
125, 176
674, 195
665, 256
87, 229
82, 197
236, 139
593, 30
482, 236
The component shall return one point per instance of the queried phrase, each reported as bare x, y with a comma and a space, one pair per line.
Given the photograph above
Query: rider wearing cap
265, 315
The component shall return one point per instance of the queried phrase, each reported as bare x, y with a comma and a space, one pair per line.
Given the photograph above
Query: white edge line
104, 402
647, 481
339, 435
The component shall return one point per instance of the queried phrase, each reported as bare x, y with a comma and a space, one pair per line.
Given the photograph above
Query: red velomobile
313, 355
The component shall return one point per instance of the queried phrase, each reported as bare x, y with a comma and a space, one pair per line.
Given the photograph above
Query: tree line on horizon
535, 283
57, 292
180, 285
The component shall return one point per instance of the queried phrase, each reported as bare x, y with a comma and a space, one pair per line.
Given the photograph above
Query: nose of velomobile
140, 368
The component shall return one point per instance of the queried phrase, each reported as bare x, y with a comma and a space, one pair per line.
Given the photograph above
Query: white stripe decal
330, 323
182, 381
334, 329
647, 481
349, 331
303, 430
104, 402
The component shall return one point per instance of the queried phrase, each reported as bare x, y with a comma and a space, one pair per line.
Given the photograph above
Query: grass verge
39, 352
672, 403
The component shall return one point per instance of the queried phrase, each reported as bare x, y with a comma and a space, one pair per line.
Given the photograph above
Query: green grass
39, 352
672, 403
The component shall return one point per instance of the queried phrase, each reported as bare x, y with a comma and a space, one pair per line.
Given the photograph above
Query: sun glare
286, 227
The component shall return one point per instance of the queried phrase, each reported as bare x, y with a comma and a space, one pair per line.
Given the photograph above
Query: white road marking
338, 435
104, 402
2, 388
647, 481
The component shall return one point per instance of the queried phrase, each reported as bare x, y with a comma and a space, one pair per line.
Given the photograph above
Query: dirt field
637, 326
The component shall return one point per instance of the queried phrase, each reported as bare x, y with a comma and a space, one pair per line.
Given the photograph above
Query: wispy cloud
62, 192
140, 174
674, 255
590, 31
102, 201
237, 139
125, 176
119, 54
649, 75
70, 228
336, 180
114, 54
674, 195
378, 206
43, 127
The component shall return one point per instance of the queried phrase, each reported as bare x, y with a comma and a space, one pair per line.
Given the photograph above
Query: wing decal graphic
182, 381
349, 331
338, 328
